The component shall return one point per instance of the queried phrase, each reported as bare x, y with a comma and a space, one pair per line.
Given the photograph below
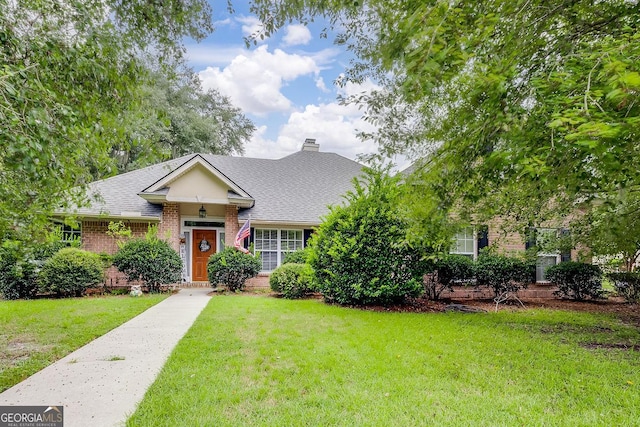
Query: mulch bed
629, 313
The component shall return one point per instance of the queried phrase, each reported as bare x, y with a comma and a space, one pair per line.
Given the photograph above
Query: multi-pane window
290, 241
273, 245
542, 263
545, 260
70, 234
465, 242
266, 242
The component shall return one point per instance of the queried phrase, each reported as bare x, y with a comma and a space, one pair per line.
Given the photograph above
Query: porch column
231, 225
169, 227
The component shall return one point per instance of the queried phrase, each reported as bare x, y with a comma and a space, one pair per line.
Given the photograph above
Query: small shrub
449, 270
292, 280
70, 271
18, 278
576, 280
297, 257
504, 275
627, 285
232, 268
150, 260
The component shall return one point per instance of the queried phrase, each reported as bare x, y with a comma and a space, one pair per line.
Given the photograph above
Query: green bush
292, 280
576, 280
70, 271
232, 268
296, 257
18, 278
503, 274
627, 285
359, 253
151, 261
449, 270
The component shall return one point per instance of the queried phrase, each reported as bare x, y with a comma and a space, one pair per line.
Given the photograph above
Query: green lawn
263, 361
36, 333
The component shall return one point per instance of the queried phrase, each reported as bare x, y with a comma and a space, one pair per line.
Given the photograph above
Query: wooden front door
204, 245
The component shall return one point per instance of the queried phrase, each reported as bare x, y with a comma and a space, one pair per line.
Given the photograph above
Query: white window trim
278, 249
475, 245
557, 255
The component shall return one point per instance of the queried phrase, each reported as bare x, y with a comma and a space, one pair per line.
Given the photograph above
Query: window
465, 243
545, 260
69, 233
290, 241
542, 263
273, 245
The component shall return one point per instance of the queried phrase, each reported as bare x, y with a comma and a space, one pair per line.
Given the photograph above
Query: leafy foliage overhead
175, 117
70, 71
505, 105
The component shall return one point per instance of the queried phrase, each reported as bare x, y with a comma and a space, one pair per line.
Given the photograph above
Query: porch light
202, 212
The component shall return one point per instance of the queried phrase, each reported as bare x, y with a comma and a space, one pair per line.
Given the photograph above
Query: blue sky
285, 84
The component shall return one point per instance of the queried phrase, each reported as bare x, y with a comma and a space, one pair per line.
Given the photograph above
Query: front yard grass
36, 333
262, 361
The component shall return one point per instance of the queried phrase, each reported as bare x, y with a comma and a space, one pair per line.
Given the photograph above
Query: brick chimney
310, 145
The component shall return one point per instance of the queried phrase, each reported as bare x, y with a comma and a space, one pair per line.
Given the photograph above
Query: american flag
243, 233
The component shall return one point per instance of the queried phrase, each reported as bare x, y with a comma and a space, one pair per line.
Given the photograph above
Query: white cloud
253, 80
250, 25
320, 84
333, 126
222, 22
201, 54
296, 35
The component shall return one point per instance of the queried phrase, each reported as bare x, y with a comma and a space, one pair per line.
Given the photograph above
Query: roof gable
196, 163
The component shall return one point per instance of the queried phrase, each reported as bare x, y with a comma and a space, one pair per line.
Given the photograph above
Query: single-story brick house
206, 198
199, 202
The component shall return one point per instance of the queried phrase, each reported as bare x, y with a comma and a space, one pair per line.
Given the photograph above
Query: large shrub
358, 252
296, 257
150, 260
503, 274
292, 280
17, 273
70, 271
627, 285
449, 270
576, 280
232, 268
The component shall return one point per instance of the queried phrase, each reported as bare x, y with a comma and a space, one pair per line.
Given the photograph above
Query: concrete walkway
102, 383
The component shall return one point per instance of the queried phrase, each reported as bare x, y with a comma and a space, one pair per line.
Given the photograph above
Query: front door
204, 245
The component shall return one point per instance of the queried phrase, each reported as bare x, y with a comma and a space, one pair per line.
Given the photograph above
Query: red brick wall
169, 227
231, 225
95, 238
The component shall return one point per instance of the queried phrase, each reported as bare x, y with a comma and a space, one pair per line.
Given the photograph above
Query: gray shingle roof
295, 189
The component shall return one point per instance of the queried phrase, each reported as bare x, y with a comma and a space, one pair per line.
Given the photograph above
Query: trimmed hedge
292, 280
151, 261
296, 257
70, 271
627, 285
503, 274
232, 268
576, 280
18, 278
448, 270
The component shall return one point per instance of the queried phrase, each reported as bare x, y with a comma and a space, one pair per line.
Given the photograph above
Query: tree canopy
74, 75
521, 108
174, 117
